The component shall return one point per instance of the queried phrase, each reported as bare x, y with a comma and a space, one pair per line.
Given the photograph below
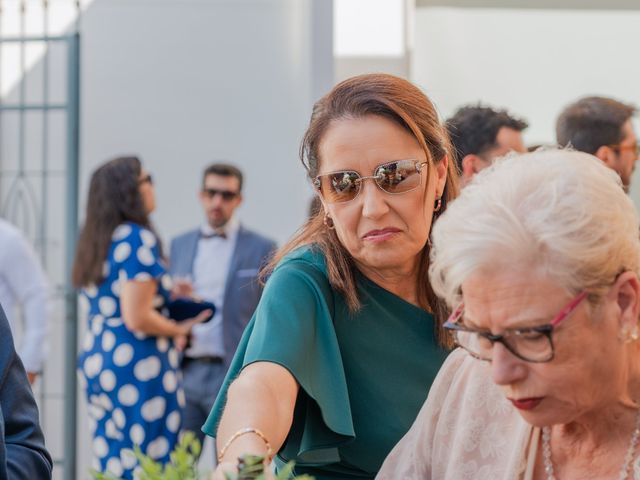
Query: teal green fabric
363, 376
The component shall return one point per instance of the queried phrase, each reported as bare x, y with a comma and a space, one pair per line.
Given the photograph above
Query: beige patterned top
465, 430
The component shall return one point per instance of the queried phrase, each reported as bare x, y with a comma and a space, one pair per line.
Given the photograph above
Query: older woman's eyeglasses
534, 344
400, 176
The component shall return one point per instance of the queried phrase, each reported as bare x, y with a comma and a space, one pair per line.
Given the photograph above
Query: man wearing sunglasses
602, 127
218, 262
480, 134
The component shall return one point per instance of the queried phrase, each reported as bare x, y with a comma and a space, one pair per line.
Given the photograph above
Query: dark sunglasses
400, 176
146, 179
226, 195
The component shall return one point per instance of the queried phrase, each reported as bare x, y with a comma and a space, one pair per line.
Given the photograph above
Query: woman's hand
182, 288
232, 469
181, 340
222, 468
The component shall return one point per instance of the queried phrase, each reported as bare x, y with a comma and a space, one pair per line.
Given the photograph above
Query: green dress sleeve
293, 327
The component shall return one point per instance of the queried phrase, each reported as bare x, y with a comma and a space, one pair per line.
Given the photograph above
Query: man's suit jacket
23, 455
242, 290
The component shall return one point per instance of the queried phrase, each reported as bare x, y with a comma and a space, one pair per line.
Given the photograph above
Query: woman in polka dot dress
129, 362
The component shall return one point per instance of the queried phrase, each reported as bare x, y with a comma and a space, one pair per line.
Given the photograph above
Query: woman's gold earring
328, 222
438, 205
629, 334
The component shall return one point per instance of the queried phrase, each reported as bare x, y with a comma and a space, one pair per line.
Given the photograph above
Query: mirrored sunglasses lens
398, 177
339, 186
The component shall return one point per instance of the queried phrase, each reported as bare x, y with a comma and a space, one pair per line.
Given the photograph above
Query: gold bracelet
244, 431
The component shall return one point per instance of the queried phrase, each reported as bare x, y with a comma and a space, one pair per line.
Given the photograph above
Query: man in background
602, 127
480, 134
23, 283
221, 260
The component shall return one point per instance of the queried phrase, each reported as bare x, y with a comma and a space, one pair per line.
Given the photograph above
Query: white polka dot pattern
119, 418
121, 232
162, 343
122, 252
93, 365
142, 277
96, 412
87, 345
137, 434
140, 335
104, 401
153, 409
114, 466
123, 354
147, 369
145, 256
148, 238
91, 291
97, 322
114, 322
128, 395
108, 340
173, 358
158, 448
169, 381
107, 306
112, 431
173, 421
100, 447
128, 458
108, 380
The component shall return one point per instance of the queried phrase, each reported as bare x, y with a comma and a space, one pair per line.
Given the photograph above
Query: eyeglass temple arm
456, 314
568, 309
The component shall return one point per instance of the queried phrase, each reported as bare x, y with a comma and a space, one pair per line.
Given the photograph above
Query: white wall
532, 61
183, 83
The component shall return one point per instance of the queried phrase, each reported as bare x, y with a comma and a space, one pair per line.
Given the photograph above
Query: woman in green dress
347, 338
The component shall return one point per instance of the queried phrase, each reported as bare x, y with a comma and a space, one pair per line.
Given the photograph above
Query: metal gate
39, 159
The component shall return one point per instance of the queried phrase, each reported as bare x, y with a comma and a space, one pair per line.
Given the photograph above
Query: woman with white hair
539, 261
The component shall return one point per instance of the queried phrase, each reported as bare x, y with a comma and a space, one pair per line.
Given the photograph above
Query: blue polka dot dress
131, 380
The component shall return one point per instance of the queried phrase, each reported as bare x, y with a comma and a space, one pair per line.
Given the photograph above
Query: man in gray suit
23, 455
218, 262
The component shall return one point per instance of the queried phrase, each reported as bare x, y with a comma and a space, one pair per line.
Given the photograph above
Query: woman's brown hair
402, 102
114, 198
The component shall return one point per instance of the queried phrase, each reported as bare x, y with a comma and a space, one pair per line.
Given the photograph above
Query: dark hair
402, 102
224, 170
592, 122
315, 206
473, 129
114, 198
